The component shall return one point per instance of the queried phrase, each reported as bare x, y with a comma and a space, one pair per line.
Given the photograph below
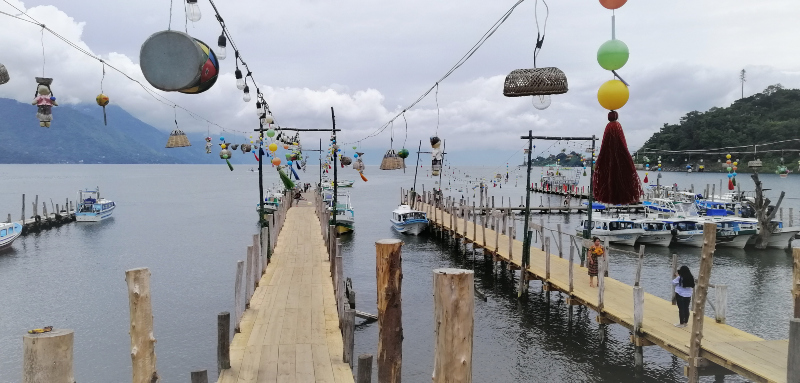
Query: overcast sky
370, 59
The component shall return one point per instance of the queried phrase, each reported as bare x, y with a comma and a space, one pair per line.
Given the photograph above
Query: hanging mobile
101, 98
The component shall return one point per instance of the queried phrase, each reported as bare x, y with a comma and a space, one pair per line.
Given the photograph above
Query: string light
246, 96
193, 11
221, 50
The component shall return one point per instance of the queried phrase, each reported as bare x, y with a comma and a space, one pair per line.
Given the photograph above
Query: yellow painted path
290, 333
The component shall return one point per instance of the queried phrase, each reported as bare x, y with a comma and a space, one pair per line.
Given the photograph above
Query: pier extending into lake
709, 347
57, 216
291, 330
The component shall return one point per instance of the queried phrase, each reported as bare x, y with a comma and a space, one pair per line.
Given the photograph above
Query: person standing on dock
596, 254
684, 287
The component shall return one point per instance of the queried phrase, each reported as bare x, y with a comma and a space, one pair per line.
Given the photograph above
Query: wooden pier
723, 349
57, 216
291, 330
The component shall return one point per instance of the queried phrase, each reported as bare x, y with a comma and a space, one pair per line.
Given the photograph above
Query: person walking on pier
596, 254
684, 287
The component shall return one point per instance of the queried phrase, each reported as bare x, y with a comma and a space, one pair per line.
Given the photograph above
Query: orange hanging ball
613, 4
286, 146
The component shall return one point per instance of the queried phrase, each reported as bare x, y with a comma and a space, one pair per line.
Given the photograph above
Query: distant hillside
772, 115
78, 134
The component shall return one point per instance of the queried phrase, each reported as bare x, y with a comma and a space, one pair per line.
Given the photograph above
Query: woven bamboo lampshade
391, 161
535, 82
178, 139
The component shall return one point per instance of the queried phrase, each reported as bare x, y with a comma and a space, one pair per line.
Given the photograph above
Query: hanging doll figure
208, 144
44, 103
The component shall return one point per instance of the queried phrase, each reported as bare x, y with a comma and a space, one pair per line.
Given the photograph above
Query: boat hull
738, 241
6, 241
414, 228
780, 240
656, 239
94, 217
693, 239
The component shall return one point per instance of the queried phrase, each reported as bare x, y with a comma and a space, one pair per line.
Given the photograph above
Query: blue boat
406, 220
8, 233
92, 208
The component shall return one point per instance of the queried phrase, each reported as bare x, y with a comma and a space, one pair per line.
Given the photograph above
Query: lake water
190, 224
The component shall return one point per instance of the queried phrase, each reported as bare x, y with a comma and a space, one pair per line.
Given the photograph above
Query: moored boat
617, 230
91, 207
687, 232
409, 221
344, 213
656, 233
8, 233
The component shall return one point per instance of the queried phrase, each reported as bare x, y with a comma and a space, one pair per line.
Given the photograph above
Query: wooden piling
793, 362
199, 376
364, 374
454, 305
248, 284
720, 303
238, 295
547, 258
511, 228
47, 357
571, 265
223, 341
143, 342
496, 233
348, 335
601, 286
389, 274
560, 242
23, 209
700, 291
672, 273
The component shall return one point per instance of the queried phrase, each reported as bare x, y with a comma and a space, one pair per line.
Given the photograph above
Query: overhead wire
455, 67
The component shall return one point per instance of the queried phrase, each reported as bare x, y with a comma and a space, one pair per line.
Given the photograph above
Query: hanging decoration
225, 154
615, 178
178, 139
287, 182
4, 77
208, 145
437, 156
645, 177
102, 99
173, 61
537, 82
44, 101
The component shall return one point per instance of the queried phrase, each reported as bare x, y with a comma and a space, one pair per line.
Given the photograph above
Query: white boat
782, 235
617, 230
656, 233
345, 183
687, 232
8, 233
91, 207
272, 202
406, 220
345, 215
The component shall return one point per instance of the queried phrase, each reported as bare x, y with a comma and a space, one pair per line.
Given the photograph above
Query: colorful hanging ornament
437, 155
44, 101
615, 178
645, 178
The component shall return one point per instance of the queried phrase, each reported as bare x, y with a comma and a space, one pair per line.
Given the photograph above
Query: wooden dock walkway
290, 332
722, 345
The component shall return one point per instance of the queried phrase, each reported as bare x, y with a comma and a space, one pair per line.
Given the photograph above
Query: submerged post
454, 305
793, 362
47, 357
199, 376
223, 341
364, 374
143, 342
389, 274
701, 289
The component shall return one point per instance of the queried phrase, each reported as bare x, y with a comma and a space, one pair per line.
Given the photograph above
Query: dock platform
290, 332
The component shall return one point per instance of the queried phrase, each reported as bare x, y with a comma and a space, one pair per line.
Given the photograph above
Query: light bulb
193, 11
239, 80
221, 51
541, 102
246, 96
259, 110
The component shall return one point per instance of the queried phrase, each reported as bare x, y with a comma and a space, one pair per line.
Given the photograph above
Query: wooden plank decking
290, 332
743, 353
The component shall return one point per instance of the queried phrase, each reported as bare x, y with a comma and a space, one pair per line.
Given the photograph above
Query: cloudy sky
370, 59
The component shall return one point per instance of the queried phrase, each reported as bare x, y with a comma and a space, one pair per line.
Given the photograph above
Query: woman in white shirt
684, 287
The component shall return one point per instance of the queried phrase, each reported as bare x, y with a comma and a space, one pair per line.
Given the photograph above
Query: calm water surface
190, 223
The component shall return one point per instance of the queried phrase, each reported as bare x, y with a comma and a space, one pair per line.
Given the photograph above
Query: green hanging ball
730, 168
271, 133
355, 147
403, 153
612, 55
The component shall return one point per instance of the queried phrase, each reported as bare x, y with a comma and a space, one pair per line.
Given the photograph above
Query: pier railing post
348, 335
638, 300
672, 271
601, 286
720, 303
143, 343
339, 282
547, 258
47, 357
510, 231
793, 362
223, 341
199, 376
606, 256
701, 290
238, 295
560, 242
248, 284
454, 307
389, 273
364, 374
23, 209
571, 266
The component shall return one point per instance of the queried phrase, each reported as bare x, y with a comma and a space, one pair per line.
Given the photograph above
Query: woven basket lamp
391, 161
535, 82
178, 139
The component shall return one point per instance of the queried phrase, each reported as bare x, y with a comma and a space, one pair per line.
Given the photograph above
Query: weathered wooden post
720, 303
541, 232
638, 311
143, 342
700, 291
237, 296
348, 335
496, 232
199, 376
672, 272
511, 228
606, 256
364, 374
454, 306
389, 272
547, 258
47, 357
474, 229
339, 280
23, 209
601, 286
248, 285
560, 242
223, 341
793, 362
571, 265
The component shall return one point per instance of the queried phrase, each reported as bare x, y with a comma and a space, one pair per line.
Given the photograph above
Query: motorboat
91, 207
687, 232
621, 230
343, 213
656, 233
345, 183
409, 221
271, 202
8, 233
730, 231
781, 236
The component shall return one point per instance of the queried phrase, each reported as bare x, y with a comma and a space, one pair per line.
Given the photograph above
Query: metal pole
587, 230
260, 176
526, 242
335, 173
416, 168
320, 164
441, 171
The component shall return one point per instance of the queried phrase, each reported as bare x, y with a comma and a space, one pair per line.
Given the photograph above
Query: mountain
769, 116
77, 134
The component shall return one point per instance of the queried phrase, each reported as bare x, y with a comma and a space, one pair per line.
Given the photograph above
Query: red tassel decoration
645, 179
730, 184
615, 179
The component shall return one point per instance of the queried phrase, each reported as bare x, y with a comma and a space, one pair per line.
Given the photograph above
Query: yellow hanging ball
101, 99
613, 94
251, 141
224, 146
273, 147
728, 156
735, 164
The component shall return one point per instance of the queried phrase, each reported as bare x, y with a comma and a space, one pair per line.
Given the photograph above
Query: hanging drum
4, 78
535, 82
178, 139
173, 61
391, 161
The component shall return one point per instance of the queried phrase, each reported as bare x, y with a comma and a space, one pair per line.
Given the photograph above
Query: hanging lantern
174, 61
391, 161
535, 82
178, 139
4, 77
224, 153
102, 100
645, 178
